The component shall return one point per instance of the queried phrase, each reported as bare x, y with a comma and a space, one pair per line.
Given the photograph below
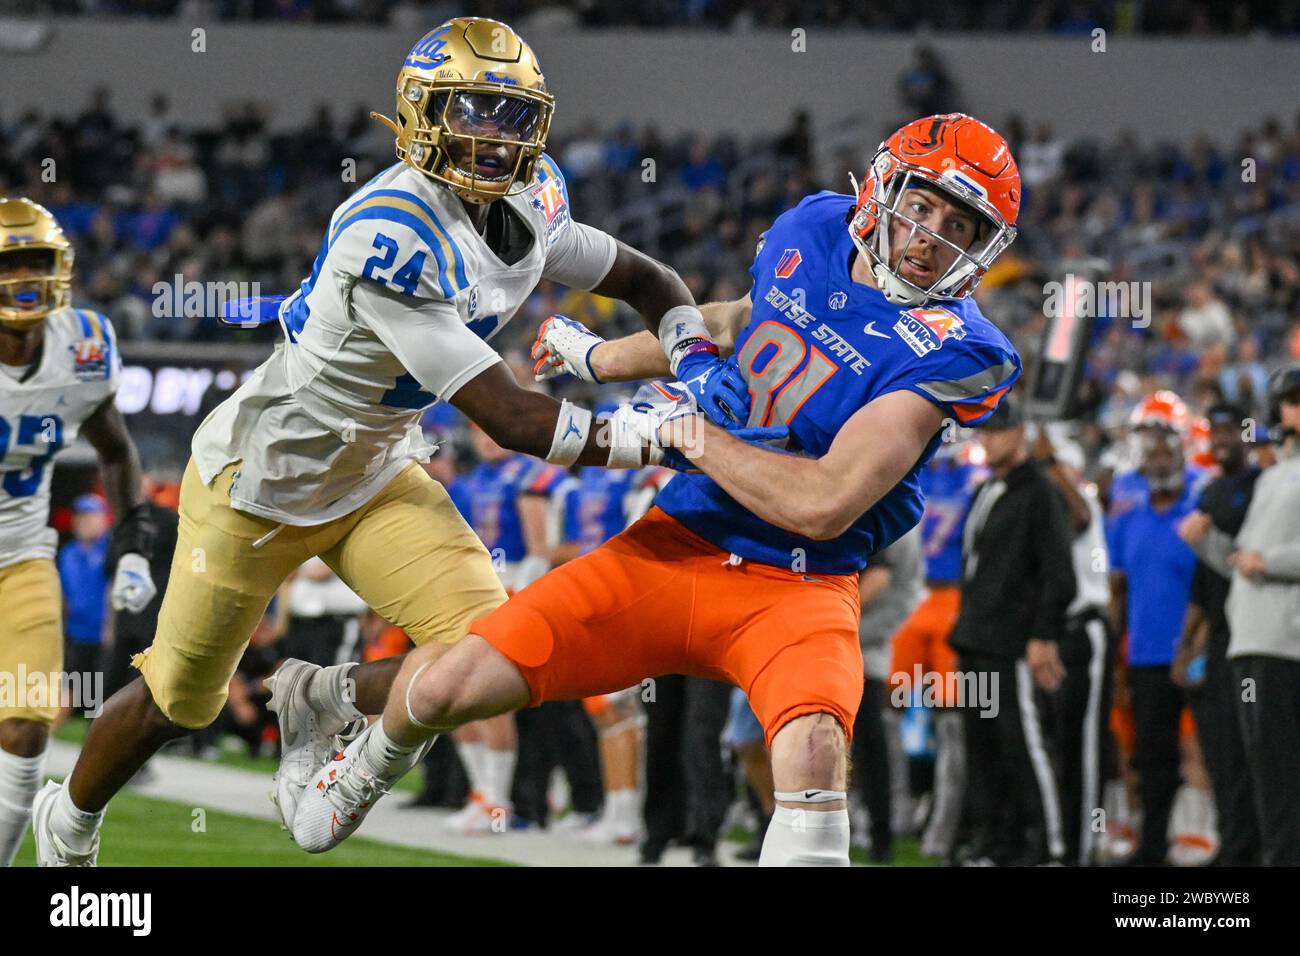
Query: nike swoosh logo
809, 794
869, 328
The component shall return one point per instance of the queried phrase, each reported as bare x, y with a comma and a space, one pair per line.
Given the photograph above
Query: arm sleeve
426, 336
1055, 566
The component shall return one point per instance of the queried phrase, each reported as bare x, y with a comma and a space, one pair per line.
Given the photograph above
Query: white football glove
564, 345
133, 586
652, 407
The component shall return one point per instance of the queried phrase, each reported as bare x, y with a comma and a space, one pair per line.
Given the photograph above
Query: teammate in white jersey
317, 453
59, 370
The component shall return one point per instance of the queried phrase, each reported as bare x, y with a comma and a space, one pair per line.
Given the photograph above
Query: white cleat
477, 817
305, 744
50, 850
340, 795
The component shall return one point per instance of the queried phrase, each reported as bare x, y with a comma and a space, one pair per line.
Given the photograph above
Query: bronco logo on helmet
473, 111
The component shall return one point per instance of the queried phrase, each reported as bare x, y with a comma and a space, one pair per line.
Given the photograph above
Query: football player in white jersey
59, 370
317, 453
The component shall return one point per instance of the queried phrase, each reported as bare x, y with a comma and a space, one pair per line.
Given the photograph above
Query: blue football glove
252, 312
758, 435
719, 388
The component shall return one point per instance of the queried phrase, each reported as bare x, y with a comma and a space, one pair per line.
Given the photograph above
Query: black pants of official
1012, 799
1080, 709
687, 787
556, 734
1268, 705
1220, 734
1157, 710
871, 762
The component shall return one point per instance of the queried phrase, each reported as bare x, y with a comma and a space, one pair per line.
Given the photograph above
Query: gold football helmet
32, 241
473, 111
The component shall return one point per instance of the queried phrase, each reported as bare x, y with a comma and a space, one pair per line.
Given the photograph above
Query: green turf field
142, 831
146, 831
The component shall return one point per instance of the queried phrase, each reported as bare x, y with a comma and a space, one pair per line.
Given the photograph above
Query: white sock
384, 757
806, 837
499, 775
20, 778
473, 755
330, 693
624, 809
74, 826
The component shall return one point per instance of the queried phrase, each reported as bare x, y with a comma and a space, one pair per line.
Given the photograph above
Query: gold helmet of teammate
35, 264
473, 111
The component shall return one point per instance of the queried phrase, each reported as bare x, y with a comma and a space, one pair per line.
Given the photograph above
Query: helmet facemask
872, 229
27, 300
451, 131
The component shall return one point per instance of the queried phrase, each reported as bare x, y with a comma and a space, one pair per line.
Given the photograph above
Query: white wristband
679, 323
625, 440
571, 430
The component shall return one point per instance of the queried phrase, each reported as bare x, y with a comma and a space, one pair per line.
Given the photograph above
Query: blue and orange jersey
593, 505
948, 486
819, 347
488, 498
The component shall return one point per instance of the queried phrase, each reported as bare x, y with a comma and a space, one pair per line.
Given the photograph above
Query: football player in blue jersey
859, 338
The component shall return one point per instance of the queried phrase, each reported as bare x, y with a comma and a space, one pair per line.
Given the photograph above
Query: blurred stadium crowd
1213, 228
1183, 17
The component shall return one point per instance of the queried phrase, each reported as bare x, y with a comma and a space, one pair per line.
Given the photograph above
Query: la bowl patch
549, 198
926, 329
88, 360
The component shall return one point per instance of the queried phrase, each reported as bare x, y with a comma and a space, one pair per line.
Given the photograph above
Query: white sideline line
201, 783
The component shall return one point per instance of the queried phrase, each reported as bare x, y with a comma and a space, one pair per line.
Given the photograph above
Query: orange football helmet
968, 162
1162, 409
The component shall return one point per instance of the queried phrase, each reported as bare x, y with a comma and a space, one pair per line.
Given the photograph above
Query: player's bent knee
24, 738
159, 720
810, 751
471, 682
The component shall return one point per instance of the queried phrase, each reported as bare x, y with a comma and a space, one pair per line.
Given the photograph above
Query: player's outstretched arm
536, 424
679, 342
632, 358
818, 497
135, 533
637, 357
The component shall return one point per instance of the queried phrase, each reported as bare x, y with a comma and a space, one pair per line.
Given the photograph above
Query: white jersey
79, 369
397, 313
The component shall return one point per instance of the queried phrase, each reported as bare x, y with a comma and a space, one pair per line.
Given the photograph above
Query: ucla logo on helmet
425, 53
926, 329
788, 262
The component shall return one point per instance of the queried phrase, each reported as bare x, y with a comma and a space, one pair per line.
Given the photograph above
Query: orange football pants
922, 641
659, 599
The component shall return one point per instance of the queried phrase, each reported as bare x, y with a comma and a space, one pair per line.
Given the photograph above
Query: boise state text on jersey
818, 347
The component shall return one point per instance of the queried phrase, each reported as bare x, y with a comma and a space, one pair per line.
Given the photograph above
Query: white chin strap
895, 289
